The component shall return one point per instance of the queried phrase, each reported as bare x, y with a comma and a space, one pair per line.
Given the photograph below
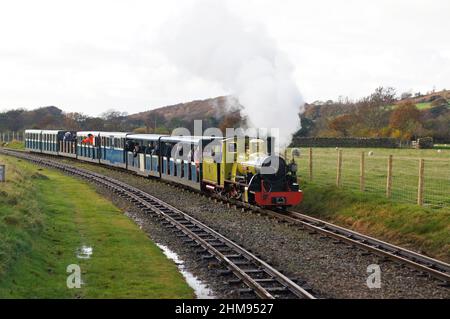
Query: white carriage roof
33, 131
146, 137
189, 139
114, 134
51, 131
85, 133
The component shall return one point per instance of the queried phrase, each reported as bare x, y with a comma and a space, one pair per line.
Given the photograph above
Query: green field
47, 217
420, 106
405, 172
423, 106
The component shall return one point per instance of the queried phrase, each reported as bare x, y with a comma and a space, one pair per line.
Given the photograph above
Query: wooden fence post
362, 173
420, 188
310, 164
339, 169
389, 178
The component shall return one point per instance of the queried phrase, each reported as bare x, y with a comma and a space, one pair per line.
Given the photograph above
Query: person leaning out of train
88, 140
67, 137
136, 150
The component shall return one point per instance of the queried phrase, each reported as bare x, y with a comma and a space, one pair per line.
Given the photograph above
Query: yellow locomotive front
247, 169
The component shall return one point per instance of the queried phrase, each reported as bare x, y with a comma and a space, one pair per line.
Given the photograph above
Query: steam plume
211, 42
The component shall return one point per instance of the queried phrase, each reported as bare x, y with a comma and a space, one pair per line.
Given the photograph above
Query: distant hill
215, 107
430, 97
428, 100
377, 115
213, 112
43, 117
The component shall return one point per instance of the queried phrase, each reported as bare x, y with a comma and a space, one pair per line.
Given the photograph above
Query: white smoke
211, 42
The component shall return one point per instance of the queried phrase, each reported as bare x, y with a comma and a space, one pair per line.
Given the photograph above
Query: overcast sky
90, 56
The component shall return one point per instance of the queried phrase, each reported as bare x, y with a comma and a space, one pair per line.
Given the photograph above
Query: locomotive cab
248, 170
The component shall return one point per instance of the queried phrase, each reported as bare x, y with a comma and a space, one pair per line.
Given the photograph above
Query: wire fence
407, 176
9, 136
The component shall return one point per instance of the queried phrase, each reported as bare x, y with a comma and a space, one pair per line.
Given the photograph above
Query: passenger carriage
68, 144
112, 149
33, 141
143, 152
50, 141
88, 152
181, 158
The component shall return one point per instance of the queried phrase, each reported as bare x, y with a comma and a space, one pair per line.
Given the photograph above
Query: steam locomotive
239, 168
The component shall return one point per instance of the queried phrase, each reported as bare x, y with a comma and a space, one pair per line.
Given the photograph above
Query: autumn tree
343, 124
405, 120
371, 110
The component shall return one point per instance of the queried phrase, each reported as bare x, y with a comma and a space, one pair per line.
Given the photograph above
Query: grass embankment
17, 145
419, 228
46, 217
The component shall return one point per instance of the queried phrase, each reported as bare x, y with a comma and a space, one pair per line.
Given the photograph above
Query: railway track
261, 279
435, 268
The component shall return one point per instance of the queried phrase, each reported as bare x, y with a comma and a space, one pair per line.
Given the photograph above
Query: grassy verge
46, 217
17, 145
407, 225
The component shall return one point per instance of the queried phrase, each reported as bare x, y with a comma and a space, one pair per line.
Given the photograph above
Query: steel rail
434, 267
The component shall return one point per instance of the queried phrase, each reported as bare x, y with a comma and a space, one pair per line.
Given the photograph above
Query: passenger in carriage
168, 150
155, 149
88, 140
68, 137
136, 149
149, 148
129, 146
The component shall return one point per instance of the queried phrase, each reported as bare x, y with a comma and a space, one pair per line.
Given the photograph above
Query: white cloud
90, 56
